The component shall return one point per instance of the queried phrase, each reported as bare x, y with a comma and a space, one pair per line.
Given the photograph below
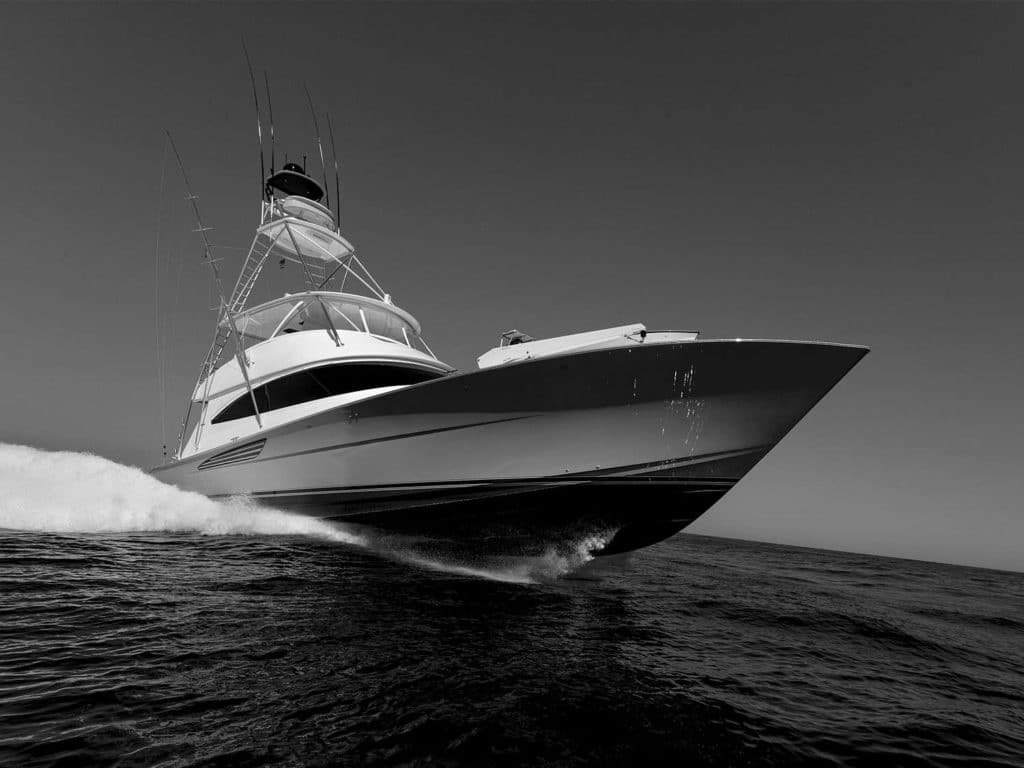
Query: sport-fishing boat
328, 401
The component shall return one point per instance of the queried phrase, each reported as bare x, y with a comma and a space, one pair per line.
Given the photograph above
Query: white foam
556, 562
65, 492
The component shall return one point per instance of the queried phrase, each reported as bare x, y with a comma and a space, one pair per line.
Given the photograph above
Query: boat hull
634, 443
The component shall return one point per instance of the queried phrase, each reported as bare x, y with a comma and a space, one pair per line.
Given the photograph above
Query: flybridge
297, 227
338, 292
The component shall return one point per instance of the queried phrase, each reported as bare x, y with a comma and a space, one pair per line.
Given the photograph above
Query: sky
833, 171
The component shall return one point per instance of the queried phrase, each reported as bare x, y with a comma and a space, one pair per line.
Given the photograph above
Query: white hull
641, 436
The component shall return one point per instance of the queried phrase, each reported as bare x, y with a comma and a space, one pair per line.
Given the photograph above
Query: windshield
319, 312
260, 325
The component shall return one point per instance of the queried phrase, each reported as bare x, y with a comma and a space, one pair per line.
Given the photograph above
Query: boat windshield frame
327, 310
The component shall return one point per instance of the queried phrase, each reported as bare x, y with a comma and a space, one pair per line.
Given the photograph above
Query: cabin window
325, 381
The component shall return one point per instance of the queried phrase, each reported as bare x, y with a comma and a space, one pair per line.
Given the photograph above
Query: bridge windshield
318, 311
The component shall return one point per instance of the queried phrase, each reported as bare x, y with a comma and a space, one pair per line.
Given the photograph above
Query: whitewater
72, 492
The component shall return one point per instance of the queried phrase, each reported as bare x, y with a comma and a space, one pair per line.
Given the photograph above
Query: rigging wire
160, 367
169, 308
175, 257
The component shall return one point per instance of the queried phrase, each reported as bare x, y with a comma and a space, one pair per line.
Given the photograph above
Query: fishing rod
259, 121
316, 127
337, 186
270, 109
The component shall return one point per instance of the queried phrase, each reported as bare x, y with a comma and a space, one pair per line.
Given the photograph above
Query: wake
69, 492
555, 563
66, 492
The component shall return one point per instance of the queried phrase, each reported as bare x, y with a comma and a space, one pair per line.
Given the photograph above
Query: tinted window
321, 382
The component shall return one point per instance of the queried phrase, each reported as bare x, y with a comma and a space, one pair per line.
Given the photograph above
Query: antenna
316, 127
337, 184
259, 121
270, 109
224, 308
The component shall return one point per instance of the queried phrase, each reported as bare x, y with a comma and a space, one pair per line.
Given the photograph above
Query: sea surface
143, 626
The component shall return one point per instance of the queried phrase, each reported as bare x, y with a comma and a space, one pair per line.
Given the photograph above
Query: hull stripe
621, 477
701, 485
403, 436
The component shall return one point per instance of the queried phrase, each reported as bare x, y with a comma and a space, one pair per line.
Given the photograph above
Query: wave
70, 492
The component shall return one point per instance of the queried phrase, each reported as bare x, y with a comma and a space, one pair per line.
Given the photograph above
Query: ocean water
143, 626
